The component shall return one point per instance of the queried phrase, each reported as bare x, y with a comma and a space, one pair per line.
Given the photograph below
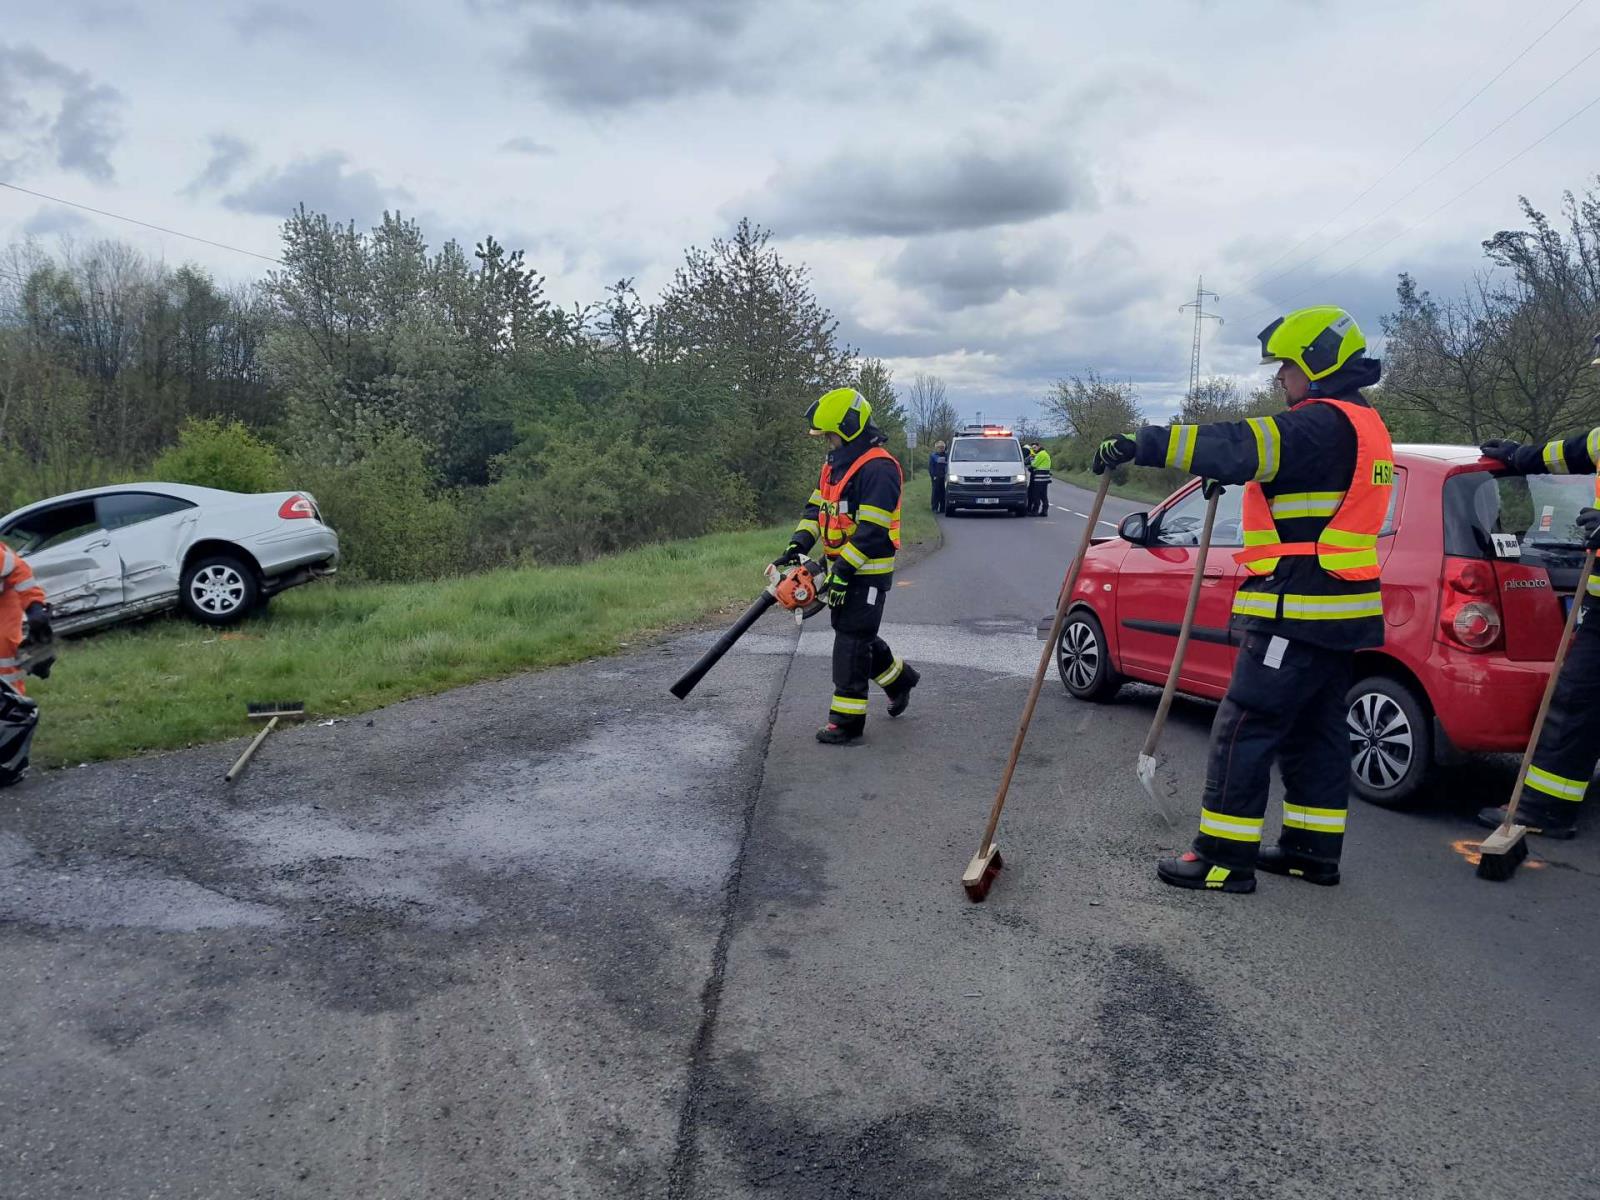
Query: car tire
219, 589
1391, 741
1083, 659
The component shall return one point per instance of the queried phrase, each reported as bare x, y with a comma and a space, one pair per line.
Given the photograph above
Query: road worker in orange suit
20, 597
855, 514
1317, 485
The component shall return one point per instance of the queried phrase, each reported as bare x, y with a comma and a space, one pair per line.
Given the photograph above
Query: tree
875, 381
1090, 408
926, 404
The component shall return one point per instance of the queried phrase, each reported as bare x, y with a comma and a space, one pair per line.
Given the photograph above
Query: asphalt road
563, 936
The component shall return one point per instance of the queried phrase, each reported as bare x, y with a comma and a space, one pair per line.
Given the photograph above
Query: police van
986, 471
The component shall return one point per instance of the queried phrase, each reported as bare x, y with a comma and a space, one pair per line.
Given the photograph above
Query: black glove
1502, 450
1113, 452
838, 588
42, 667
789, 557
39, 623
1589, 522
1210, 488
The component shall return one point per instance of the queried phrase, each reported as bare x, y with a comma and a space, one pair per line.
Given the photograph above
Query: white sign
911, 439
1506, 545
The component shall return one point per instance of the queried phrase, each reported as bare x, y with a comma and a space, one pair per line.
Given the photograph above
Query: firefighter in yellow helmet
1317, 484
854, 514
1564, 760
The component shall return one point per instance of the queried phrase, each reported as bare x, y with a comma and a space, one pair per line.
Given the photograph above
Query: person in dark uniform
938, 468
1564, 760
855, 513
1318, 479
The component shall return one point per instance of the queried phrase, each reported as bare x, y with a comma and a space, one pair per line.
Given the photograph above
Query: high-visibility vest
1347, 547
838, 524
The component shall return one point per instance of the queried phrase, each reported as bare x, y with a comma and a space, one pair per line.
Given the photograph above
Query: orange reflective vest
838, 524
1347, 547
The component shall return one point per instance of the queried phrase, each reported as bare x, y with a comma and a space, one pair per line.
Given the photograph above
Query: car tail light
297, 506
1469, 616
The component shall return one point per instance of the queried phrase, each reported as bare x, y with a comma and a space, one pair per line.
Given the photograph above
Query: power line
1406, 157
145, 224
1425, 219
1393, 204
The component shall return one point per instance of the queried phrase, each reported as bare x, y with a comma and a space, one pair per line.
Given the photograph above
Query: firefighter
1039, 482
855, 513
1317, 482
1564, 760
20, 596
938, 467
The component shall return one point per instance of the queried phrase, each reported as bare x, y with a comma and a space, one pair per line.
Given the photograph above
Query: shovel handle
1062, 601
1550, 687
1213, 493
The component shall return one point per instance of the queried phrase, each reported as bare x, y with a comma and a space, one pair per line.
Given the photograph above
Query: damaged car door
71, 557
150, 533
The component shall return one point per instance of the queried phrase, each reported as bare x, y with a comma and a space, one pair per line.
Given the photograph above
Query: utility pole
1200, 315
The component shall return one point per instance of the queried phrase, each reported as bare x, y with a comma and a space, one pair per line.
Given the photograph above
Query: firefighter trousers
1286, 702
1564, 760
860, 656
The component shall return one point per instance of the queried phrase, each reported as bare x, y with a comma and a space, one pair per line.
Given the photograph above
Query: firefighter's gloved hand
42, 668
39, 623
788, 558
838, 588
1113, 452
1589, 522
1502, 450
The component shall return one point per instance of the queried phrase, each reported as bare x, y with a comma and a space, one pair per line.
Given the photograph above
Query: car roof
1439, 452
183, 491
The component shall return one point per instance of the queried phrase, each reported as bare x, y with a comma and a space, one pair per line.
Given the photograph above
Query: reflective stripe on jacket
838, 521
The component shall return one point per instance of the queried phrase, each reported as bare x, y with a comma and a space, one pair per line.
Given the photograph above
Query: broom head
265, 710
1502, 853
981, 872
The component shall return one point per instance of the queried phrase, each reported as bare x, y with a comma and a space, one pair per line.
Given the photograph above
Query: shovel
1147, 757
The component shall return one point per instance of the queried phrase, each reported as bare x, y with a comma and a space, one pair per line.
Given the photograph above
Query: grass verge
348, 648
1139, 487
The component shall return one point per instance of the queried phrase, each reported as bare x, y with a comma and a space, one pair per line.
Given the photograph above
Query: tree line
446, 413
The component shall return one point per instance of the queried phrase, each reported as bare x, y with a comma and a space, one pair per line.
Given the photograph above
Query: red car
1478, 571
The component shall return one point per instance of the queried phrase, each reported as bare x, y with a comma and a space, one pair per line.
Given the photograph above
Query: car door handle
1212, 573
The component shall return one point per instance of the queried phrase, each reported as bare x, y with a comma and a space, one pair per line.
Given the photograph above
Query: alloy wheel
218, 590
1381, 741
1080, 655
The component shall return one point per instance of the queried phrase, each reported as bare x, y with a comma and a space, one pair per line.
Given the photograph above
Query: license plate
988, 500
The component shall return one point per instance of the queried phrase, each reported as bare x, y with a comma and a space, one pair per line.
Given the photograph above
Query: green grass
1141, 487
348, 648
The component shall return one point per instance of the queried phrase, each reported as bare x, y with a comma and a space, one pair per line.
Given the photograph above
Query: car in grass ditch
110, 554
1479, 569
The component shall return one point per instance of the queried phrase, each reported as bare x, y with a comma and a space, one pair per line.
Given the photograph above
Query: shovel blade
1146, 770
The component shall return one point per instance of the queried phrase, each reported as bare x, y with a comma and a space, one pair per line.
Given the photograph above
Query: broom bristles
1501, 866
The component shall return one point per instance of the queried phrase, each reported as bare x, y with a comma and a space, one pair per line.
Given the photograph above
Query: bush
394, 521
210, 453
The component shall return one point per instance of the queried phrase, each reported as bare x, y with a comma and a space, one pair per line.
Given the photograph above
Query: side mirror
1135, 528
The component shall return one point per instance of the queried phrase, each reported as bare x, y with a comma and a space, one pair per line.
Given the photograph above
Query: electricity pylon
1200, 314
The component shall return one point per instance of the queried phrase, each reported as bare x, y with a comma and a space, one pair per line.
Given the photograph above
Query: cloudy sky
997, 193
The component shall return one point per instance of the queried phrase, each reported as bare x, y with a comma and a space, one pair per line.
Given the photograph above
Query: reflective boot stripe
890, 675
1558, 786
1233, 828
1316, 820
848, 706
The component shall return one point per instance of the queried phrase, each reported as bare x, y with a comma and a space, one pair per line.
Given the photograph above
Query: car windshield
1533, 517
985, 450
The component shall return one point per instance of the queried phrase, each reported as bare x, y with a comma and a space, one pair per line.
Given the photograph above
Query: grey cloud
325, 183
526, 145
52, 220
725, 13
589, 67
228, 154
106, 12
941, 37
968, 271
50, 111
265, 20
972, 187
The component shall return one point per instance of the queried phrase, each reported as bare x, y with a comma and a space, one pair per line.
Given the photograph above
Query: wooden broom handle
1167, 693
1550, 688
1044, 661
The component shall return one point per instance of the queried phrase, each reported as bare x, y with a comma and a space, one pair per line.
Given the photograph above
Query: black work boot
1189, 870
1275, 860
901, 695
1536, 822
835, 734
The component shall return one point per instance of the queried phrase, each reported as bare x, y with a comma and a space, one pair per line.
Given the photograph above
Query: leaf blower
796, 588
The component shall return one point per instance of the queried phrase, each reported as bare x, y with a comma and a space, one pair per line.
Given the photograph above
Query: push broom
270, 711
1148, 762
1502, 852
986, 863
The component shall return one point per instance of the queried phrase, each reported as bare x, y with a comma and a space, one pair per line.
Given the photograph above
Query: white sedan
111, 553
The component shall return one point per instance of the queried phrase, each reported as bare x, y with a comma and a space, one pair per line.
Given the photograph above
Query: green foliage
393, 520
213, 454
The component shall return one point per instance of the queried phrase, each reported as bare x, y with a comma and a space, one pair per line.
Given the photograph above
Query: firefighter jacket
855, 510
1575, 455
1304, 463
17, 591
